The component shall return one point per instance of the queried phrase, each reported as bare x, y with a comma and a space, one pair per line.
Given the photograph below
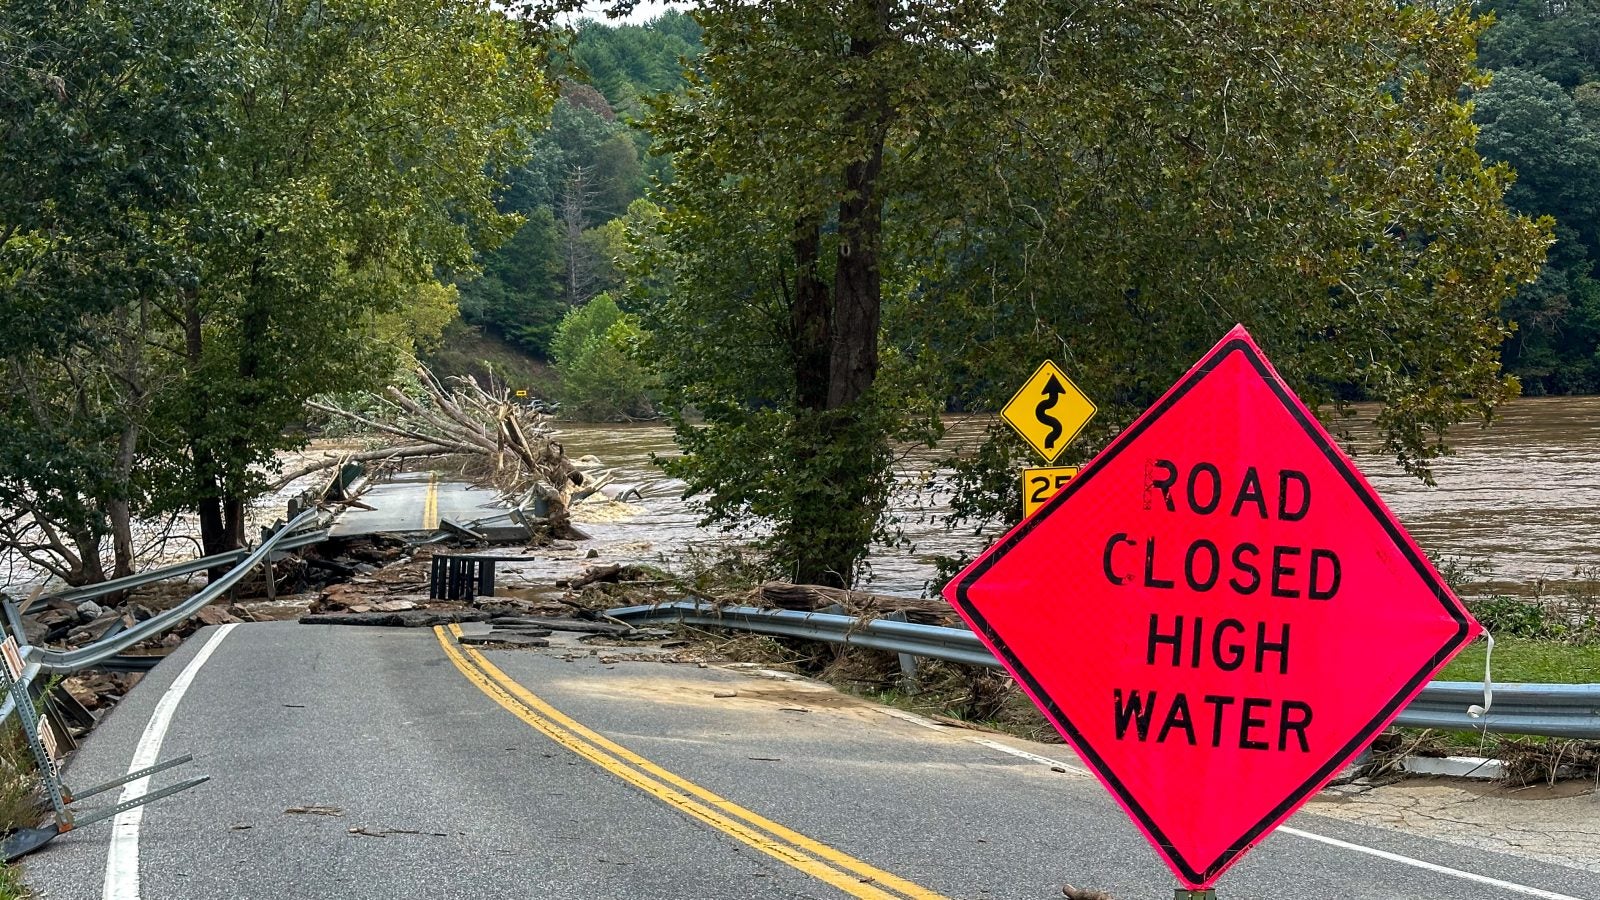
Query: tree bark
208, 499
120, 515
858, 281
810, 329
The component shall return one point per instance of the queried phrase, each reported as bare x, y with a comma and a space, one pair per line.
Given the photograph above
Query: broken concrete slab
612, 629
503, 639
416, 618
529, 630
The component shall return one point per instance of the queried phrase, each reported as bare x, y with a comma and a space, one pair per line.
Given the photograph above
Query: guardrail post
29, 718
13, 619
908, 663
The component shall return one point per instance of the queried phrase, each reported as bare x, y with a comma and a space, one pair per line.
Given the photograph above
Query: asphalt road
556, 773
415, 501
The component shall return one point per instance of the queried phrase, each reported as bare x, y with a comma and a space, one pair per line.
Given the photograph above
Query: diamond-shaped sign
1218, 612
1048, 411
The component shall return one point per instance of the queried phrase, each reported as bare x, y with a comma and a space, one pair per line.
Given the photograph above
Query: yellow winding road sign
1048, 411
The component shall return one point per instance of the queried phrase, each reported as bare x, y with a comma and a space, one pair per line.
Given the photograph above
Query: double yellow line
430, 503
845, 872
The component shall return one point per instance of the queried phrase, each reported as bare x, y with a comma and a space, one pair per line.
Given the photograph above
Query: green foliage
584, 171
519, 294
321, 214
107, 113
1541, 115
1114, 194
1520, 617
600, 379
630, 62
211, 211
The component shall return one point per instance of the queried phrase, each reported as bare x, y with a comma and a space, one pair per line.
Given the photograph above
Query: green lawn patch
1521, 659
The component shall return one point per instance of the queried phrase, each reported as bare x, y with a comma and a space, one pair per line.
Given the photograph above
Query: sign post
1218, 612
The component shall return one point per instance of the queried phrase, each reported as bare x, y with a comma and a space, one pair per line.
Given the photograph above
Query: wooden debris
515, 446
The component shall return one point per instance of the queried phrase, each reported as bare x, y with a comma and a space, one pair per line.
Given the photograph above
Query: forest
800, 232
1540, 115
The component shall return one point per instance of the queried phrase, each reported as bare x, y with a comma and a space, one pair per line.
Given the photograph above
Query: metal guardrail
1551, 710
66, 661
42, 660
23, 664
189, 567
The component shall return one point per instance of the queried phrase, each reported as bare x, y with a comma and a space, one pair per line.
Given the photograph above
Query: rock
394, 606
171, 640
216, 615
51, 618
140, 611
592, 554
416, 618
240, 613
563, 545
89, 609
502, 639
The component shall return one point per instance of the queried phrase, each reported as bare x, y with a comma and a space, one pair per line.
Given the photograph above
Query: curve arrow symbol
1052, 393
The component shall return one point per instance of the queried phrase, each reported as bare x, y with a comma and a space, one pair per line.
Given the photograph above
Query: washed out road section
415, 501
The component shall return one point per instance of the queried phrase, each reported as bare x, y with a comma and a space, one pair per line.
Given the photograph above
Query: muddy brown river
1518, 503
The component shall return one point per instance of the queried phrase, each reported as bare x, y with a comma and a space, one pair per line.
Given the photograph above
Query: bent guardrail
38, 659
21, 664
188, 567
1550, 710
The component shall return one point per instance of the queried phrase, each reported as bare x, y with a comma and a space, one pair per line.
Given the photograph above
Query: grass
19, 800
1518, 659
11, 886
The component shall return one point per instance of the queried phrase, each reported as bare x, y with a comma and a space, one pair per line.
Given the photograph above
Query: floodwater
1518, 503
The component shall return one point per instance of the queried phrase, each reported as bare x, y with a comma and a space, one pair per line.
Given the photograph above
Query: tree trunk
118, 510
813, 508
833, 528
90, 570
208, 493
858, 282
811, 332
233, 513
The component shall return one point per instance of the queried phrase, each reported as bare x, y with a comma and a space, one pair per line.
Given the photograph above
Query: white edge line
1431, 867
122, 856
952, 730
1523, 889
1031, 757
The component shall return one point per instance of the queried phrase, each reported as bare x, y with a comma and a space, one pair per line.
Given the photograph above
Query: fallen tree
510, 447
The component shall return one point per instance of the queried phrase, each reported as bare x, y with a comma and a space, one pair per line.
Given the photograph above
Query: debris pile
513, 446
